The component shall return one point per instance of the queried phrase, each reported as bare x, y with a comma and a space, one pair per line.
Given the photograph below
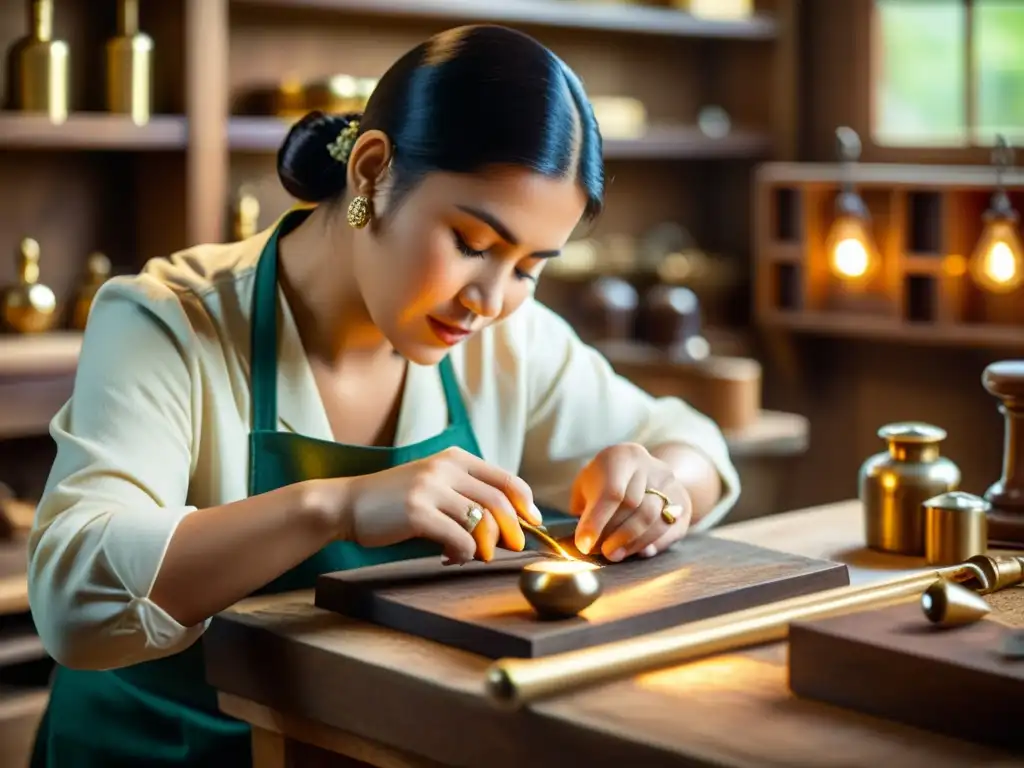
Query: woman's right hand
431, 499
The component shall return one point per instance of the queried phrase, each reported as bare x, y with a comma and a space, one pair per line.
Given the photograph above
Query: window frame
974, 150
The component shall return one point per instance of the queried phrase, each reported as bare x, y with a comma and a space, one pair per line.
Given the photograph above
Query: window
948, 73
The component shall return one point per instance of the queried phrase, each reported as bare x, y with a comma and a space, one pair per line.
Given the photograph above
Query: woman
366, 381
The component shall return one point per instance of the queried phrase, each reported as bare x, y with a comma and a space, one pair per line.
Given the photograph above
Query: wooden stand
1005, 380
893, 664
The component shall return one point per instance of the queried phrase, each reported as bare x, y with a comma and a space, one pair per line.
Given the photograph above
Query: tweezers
553, 546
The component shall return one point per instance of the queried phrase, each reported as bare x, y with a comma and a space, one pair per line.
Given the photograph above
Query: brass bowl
560, 589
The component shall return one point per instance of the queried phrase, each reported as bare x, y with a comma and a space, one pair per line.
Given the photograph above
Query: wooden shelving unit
926, 222
93, 131
185, 167
98, 182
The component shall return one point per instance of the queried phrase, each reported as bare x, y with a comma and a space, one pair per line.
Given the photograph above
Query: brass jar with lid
894, 484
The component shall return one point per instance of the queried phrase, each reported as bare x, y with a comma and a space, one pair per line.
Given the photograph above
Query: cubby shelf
265, 134
890, 330
593, 16
925, 221
92, 130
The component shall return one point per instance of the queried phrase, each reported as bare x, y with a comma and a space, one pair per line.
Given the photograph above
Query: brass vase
97, 272
129, 66
247, 216
40, 63
894, 484
29, 306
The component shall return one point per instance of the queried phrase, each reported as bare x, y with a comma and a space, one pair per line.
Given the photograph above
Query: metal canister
894, 484
955, 527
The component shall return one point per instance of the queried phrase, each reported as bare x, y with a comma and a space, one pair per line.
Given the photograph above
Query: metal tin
894, 484
956, 527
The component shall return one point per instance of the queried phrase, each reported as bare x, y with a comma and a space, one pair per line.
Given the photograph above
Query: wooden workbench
317, 686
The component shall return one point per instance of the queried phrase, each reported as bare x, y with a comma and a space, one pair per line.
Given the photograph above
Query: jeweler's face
460, 253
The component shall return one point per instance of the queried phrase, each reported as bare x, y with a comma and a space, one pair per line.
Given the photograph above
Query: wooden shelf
265, 134
774, 433
13, 576
37, 356
592, 16
95, 130
17, 647
889, 175
37, 375
257, 134
889, 330
686, 143
724, 342
13, 594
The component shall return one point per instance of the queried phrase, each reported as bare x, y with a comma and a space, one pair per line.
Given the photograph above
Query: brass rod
546, 539
515, 682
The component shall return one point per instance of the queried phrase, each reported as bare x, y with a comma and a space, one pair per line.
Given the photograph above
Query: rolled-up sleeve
578, 406
119, 484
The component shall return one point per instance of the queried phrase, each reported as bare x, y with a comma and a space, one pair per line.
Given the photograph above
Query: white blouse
158, 425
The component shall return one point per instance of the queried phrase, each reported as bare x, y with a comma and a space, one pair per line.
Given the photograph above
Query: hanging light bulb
850, 247
997, 263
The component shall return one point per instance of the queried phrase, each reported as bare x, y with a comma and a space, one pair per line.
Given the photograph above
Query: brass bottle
247, 216
97, 272
129, 66
41, 80
894, 484
29, 306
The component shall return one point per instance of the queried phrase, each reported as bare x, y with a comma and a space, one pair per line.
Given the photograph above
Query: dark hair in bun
307, 170
465, 99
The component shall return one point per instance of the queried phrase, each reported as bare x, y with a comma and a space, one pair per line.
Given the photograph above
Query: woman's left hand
618, 497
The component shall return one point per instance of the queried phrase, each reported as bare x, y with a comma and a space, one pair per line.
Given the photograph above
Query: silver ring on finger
474, 515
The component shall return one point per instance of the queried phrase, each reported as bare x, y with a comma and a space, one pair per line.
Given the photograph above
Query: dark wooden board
892, 663
478, 607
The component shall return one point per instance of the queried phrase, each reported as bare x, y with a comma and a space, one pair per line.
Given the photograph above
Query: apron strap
263, 325
457, 414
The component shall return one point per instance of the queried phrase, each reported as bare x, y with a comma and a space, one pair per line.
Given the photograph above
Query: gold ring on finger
473, 517
669, 511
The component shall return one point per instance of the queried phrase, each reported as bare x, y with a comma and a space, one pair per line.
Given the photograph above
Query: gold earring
359, 212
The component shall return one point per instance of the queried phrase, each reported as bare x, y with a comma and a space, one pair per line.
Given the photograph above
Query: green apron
163, 713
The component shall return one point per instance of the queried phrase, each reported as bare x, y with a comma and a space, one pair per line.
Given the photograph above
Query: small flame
561, 566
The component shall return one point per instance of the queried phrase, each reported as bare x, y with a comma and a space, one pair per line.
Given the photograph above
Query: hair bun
304, 164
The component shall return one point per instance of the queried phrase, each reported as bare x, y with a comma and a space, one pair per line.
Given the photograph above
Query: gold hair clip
341, 147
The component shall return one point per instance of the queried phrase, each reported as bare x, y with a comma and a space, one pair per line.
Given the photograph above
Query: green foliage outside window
920, 93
